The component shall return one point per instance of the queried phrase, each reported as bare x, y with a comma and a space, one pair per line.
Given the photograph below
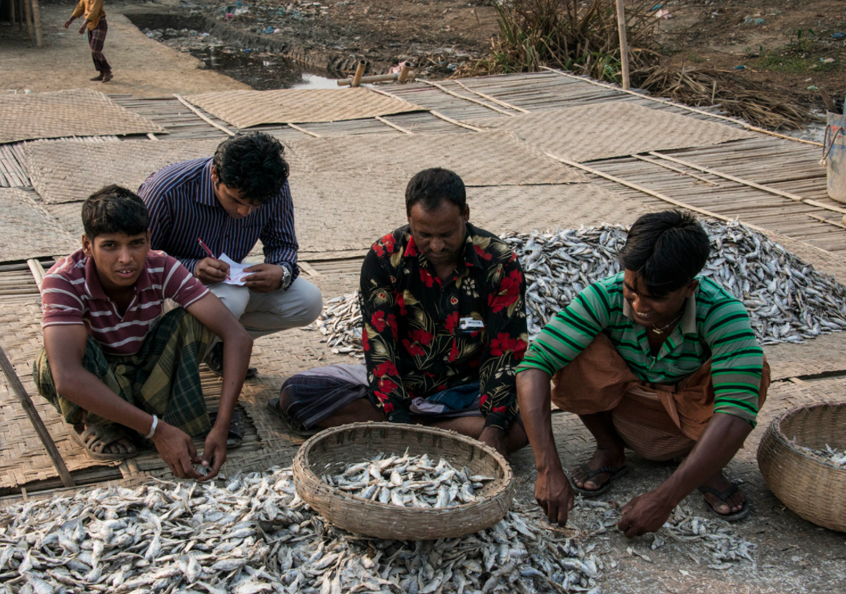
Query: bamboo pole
37, 271
343, 82
204, 117
624, 43
649, 192
35, 419
359, 73
12, 12
36, 19
403, 75
28, 18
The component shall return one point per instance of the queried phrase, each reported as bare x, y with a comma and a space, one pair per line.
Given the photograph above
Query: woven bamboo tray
334, 448
812, 488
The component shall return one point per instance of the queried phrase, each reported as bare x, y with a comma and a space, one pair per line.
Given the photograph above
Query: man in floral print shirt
444, 326
417, 286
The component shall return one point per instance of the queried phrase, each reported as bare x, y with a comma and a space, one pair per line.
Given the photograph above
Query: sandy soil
142, 67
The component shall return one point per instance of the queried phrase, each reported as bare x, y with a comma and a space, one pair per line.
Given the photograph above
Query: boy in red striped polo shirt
112, 362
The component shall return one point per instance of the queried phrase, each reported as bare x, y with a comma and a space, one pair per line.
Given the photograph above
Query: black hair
433, 186
252, 164
113, 209
666, 249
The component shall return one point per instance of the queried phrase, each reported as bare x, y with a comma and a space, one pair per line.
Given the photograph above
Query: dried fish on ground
408, 481
720, 542
787, 300
829, 454
340, 322
252, 533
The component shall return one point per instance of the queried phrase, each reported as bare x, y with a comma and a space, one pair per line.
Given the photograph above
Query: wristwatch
286, 277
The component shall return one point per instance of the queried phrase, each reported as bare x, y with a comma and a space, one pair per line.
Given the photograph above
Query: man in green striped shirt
655, 359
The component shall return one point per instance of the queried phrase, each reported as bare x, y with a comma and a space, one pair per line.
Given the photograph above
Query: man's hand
83, 28
494, 437
214, 451
265, 277
177, 450
211, 271
553, 494
645, 513
69, 21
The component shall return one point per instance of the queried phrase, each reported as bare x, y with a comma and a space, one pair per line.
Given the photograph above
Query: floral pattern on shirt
413, 344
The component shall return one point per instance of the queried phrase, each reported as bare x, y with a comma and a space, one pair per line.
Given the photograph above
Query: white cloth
266, 313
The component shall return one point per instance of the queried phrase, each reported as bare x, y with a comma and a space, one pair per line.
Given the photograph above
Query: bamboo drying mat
526, 208
68, 216
27, 230
608, 130
72, 171
334, 213
482, 159
79, 112
252, 108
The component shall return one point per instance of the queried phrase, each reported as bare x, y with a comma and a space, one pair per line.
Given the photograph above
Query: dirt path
142, 66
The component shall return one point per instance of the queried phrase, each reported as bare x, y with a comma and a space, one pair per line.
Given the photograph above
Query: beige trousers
266, 313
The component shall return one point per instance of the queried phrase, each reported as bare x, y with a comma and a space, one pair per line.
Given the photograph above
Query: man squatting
655, 359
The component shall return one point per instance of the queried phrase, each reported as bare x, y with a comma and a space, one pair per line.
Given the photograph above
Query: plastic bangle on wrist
153, 428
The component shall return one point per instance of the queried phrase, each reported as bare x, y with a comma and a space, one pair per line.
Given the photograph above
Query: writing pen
209, 252
205, 247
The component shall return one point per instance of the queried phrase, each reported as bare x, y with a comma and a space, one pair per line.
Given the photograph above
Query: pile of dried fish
788, 301
252, 533
829, 454
721, 544
409, 481
340, 321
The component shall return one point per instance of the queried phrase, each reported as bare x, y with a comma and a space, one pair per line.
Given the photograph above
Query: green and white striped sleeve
737, 359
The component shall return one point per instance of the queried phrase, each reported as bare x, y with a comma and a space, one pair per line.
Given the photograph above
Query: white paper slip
237, 276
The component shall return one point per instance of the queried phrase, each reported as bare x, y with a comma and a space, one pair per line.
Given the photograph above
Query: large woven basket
333, 449
811, 487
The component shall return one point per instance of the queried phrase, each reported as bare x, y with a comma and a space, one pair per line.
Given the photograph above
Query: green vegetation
568, 34
776, 62
801, 55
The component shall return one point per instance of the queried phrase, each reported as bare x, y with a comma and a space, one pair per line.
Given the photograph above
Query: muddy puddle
262, 70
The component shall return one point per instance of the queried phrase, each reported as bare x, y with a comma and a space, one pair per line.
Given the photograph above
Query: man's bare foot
120, 446
732, 504
600, 458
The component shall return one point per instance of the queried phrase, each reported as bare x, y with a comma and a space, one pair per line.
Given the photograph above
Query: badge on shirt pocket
470, 325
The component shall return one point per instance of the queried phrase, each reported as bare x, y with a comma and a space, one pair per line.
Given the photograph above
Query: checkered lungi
96, 39
162, 379
658, 422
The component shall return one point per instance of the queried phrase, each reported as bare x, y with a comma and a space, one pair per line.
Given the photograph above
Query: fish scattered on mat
720, 545
408, 481
787, 300
251, 533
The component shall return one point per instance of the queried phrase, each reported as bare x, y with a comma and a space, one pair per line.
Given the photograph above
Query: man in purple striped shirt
229, 202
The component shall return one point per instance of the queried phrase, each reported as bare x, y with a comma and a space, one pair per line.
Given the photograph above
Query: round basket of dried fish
803, 460
439, 484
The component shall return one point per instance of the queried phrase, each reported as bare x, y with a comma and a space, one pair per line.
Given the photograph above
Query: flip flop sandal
723, 496
289, 424
102, 436
616, 472
237, 429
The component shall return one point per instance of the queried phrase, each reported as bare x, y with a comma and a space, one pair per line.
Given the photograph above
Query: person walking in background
95, 22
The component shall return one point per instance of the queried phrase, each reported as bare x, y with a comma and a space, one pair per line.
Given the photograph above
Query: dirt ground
793, 47
142, 67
